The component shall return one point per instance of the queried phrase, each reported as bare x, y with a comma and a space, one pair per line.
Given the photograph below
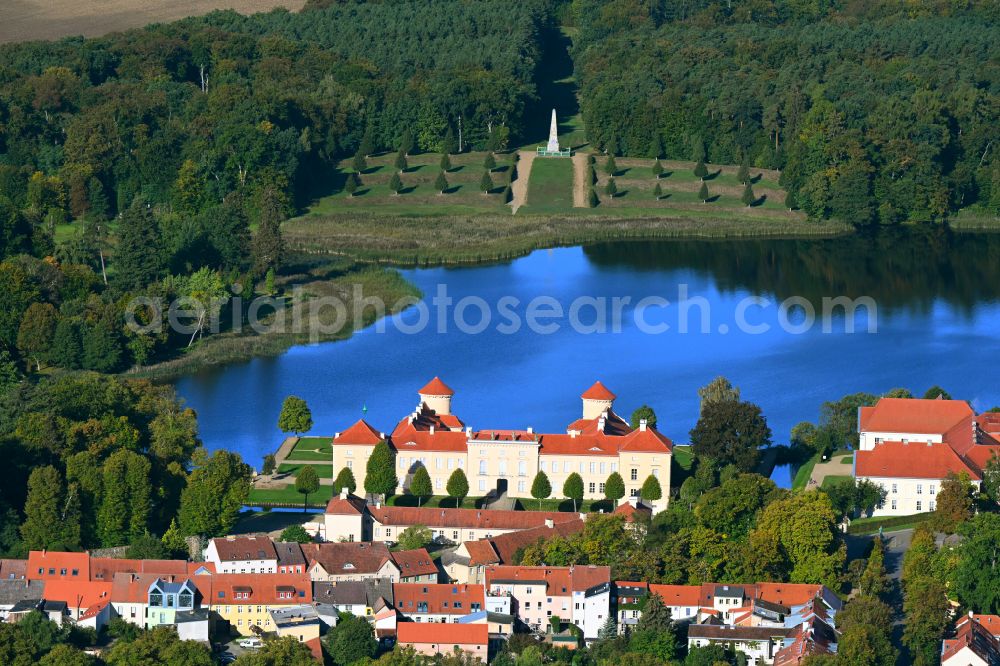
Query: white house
242, 554
973, 645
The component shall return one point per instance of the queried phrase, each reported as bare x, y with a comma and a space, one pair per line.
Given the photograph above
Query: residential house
910, 446
759, 644
345, 519
87, 603
504, 461
242, 554
56, 565
290, 557
17, 590
246, 600
472, 639
361, 598
972, 645
11, 569
301, 622
415, 566
349, 561
580, 595
105, 568
630, 597
433, 602
177, 603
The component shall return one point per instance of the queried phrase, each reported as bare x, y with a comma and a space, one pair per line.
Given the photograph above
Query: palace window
592, 488
920, 489
482, 467
634, 474
918, 505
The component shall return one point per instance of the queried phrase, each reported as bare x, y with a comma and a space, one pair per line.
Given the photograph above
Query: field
322, 471
23, 20
550, 187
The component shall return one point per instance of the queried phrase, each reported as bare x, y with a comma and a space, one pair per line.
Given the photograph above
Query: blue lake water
938, 322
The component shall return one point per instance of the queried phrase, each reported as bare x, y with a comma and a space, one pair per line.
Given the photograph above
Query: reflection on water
938, 318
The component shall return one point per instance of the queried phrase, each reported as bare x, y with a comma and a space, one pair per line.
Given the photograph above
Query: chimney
336, 435
344, 492
550, 523
642, 425
468, 431
432, 429
530, 430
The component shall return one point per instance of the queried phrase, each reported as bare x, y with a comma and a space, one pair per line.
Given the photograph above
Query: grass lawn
804, 472
312, 448
323, 471
846, 460
550, 188
834, 479
288, 496
565, 505
437, 501
887, 523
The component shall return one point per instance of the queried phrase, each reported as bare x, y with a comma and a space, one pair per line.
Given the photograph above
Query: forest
876, 113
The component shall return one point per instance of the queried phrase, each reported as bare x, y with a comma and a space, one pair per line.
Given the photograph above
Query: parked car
251, 643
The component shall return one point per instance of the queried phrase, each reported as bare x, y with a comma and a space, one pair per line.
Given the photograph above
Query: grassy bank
300, 320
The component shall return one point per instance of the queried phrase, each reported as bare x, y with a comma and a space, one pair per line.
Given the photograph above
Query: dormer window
156, 599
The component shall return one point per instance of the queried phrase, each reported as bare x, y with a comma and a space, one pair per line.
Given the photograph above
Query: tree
216, 490
703, 192
345, 479
295, 533
102, 348
873, 582
269, 465
991, 477
44, 508
610, 166
743, 175
651, 490
295, 416
656, 146
573, 489
395, 184
592, 199
719, 389
954, 503
865, 623
351, 640
67, 347
126, 504
407, 144
731, 432
643, 413
486, 183
66, 655
146, 547
351, 184
445, 163
657, 169
791, 202
732, 507
278, 651
458, 486
306, 482
657, 192
359, 164
541, 488
700, 170
441, 182
140, 257
380, 472
400, 162
802, 529
415, 536
611, 189
935, 392
977, 575
420, 484
268, 245
174, 542
748, 197
614, 487
927, 612
489, 163
159, 645
36, 334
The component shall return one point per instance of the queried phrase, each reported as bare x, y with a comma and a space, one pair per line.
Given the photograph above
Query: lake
936, 296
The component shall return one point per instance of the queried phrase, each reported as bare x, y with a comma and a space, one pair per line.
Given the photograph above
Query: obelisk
553, 146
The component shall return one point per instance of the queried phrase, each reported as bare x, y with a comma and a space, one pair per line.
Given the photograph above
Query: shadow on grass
665, 195
759, 201
413, 168
713, 175
666, 174
713, 198
408, 189
359, 193
756, 179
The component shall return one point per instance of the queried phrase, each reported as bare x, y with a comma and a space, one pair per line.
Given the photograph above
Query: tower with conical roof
437, 395
597, 400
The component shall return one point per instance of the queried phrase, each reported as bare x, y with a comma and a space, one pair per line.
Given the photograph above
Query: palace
506, 461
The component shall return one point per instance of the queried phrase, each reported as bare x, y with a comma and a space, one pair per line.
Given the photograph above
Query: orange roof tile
414, 562
13, 569
439, 597
315, 646
914, 415
134, 587
105, 568
598, 392
788, 594
646, 441
558, 581
481, 552
506, 545
578, 445
990, 622
272, 589
351, 505
359, 434
612, 425
466, 518
55, 565
910, 461
678, 595
406, 438
975, 637
632, 512
245, 547
436, 387
347, 557
444, 635
78, 593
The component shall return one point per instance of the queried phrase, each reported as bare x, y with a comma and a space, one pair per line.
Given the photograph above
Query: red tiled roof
914, 415
578, 445
975, 637
359, 433
646, 441
105, 568
406, 438
239, 548
598, 392
558, 580
94, 611
506, 545
466, 518
315, 646
133, 588
45, 561
439, 597
13, 569
910, 461
495, 435
990, 422
352, 505
991, 623
678, 595
612, 425
78, 593
262, 588
631, 512
444, 635
347, 557
788, 594
414, 562
436, 387
481, 552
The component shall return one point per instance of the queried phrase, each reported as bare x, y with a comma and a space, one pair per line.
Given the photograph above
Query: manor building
910, 446
507, 460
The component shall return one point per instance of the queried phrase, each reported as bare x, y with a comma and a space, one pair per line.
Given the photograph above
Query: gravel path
580, 180
519, 188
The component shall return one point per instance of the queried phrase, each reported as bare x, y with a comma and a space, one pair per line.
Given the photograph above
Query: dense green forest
876, 112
